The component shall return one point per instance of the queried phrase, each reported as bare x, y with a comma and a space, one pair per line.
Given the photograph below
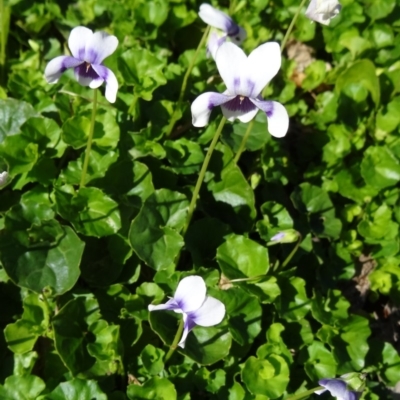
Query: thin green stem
304, 394
89, 142
202, 174
3, 38
174, 116
291, 26
244, 140
253, 278
174, 344
293, 252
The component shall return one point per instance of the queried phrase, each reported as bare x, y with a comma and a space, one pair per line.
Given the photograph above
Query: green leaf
152, 359
269, 376
22, 388
154, 389
21, 336
240, 257
154, 232
320, 362
76, 389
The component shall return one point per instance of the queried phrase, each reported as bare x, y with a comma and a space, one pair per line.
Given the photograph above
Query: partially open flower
223, 22
337, 388
88, 52
323, 11
190, 299
3, 178
245, 77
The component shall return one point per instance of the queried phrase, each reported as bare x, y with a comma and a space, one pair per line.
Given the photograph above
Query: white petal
203, 104
169, 305
243, 110
100, 46
215, 40
57, 66
78, 38
187, 327
190, 293
217, 18
87, 76
262, 65
230, 61
3, 178
238, 36
278, 118
323, 11
110, 79
211, 313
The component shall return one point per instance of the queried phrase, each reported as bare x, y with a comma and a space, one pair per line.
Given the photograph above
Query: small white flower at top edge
337, 388
197, 308
88, 52
323, 11
224, 26
3, 178
245, 78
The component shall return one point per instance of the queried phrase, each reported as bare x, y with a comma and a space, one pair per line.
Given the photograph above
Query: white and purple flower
323, 11
245, 77
223, 22
337, 388
190, 299
88, 52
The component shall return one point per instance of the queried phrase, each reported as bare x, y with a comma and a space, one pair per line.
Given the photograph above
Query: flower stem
291, 26
90, 139
304, 394
4, 20
174, 344
293, 252
244, 140
202, 174
174, 116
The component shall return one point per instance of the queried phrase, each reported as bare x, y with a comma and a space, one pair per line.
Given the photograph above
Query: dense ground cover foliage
298, 239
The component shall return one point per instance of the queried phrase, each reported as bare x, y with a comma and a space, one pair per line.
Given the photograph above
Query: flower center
240, 103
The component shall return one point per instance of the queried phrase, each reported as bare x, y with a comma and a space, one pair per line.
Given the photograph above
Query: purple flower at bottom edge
88, 52
338, 389
245, 78
190, 299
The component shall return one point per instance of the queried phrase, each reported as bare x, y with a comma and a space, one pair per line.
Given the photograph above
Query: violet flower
245, 77
190, 299
219, 20
323, 11
88, 52
338, 389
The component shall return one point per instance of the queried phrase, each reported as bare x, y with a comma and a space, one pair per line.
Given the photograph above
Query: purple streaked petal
87, 76
190, 293
278, 118
77, 41
218, 19
110, 79
58, 65
171, 304
211, 313
278, 236
215, 40
100, 46
231, 60
241, 108
188, 325
261, 66
338, 389
238, 36
203, 104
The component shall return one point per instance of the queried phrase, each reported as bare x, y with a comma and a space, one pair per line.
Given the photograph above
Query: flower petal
57, 66
189, 324
238, 36
231, 60
110, 79
215, 39
203, 104
323, 11
169, 305
190, 293
100, 46
278, 118
261, 66
338, 389
211, 313
217, 19
241, 108
87, 76
78, 38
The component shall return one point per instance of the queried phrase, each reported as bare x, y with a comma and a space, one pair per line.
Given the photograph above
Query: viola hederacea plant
224, 27
245, 78
190, 300
323, 11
